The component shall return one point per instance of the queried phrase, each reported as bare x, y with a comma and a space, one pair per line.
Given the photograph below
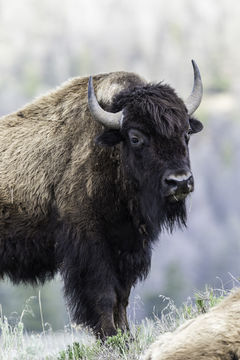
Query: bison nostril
171, 182
179, 183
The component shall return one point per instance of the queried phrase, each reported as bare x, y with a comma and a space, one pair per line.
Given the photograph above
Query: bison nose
180, 183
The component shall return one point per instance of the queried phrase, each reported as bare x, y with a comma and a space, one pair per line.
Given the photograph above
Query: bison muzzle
89, 176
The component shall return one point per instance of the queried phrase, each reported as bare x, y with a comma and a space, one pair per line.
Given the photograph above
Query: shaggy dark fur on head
155, 105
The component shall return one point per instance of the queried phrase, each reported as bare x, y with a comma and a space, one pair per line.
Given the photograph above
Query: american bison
211, 336
88, 181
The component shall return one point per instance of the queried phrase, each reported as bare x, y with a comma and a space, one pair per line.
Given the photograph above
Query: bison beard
91, 212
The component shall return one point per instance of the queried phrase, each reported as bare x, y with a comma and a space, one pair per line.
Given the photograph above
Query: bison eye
135, 137
134, 140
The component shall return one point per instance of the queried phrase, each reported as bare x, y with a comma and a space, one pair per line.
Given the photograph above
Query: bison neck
130, 248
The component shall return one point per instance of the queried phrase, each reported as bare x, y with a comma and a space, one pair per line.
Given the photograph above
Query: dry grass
74, 343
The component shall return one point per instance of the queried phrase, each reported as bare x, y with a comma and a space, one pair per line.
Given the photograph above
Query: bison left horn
108, 119
194, 100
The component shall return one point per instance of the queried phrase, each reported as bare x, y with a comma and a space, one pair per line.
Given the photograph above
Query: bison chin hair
161, 214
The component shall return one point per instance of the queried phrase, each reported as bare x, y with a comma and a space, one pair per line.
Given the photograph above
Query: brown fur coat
211, 336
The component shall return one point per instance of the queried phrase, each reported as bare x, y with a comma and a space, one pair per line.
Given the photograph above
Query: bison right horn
194, 100
108, 119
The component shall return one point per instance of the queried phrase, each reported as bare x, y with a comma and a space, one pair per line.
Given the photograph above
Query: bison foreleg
120, 313
90, 285
120, 318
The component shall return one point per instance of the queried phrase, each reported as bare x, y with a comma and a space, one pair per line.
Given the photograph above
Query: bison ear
195, 125
109, 138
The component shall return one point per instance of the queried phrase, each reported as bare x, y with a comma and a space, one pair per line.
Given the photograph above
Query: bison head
154, 127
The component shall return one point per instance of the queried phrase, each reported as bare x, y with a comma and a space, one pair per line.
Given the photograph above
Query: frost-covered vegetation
75, 343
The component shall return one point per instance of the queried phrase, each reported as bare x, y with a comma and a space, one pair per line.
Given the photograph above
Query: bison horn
195, 98
108, 119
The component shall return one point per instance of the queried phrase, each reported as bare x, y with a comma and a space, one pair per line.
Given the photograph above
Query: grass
75, 343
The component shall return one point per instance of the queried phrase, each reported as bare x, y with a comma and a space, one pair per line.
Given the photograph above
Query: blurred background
43, 43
